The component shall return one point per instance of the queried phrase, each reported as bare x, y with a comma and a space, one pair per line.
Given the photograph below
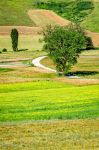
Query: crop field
47, 100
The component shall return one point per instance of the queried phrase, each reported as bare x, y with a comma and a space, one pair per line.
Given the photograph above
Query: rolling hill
15, 13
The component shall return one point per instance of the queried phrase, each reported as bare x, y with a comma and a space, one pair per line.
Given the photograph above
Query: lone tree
64, 44
14, 37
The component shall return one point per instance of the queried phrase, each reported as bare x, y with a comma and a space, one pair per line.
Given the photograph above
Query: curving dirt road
36, 63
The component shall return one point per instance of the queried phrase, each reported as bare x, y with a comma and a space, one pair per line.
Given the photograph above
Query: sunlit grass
46, 100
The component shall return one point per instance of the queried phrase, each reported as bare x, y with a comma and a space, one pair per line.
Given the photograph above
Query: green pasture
14, 12
46, 100
28, 42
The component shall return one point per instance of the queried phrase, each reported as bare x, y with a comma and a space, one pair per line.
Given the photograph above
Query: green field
18, 12
25, 42
47, 100
91, 22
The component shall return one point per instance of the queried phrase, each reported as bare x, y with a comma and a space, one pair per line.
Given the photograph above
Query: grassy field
47, 100
51, 135
87, 66
25, 42
92, 21
18, 12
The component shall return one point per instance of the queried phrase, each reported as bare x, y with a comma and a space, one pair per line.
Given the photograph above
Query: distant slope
92, 21
14, 12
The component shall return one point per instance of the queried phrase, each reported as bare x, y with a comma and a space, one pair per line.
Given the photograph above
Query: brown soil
23, 30
78, 82
49, 14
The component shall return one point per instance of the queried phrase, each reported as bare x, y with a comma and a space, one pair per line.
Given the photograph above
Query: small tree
64, 44
14, 37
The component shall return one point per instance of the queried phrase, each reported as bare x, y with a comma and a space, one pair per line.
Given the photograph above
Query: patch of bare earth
47, 15
23, 30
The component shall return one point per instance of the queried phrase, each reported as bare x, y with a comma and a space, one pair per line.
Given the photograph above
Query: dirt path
36, 63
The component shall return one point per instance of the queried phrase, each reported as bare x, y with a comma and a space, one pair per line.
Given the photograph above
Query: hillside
86, 12
14, 12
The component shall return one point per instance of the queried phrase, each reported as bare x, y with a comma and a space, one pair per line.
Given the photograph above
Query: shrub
89, 43
4, 50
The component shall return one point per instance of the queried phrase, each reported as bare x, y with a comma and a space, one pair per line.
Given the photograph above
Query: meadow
47, 100
29, 42
49, 135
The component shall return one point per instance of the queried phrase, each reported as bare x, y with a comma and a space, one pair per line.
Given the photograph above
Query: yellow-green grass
47, 100
30, 42
92, 20
52, 135
24, 74
87, 66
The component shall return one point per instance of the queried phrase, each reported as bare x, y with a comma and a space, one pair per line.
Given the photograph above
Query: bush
89, 43
0, 52
4, 50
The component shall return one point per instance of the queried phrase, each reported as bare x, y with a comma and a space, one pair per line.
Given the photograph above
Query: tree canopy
64, 44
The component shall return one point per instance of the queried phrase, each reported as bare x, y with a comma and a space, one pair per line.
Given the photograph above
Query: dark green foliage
64, 44
75, 11
14, 37
89, 43
4, 50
